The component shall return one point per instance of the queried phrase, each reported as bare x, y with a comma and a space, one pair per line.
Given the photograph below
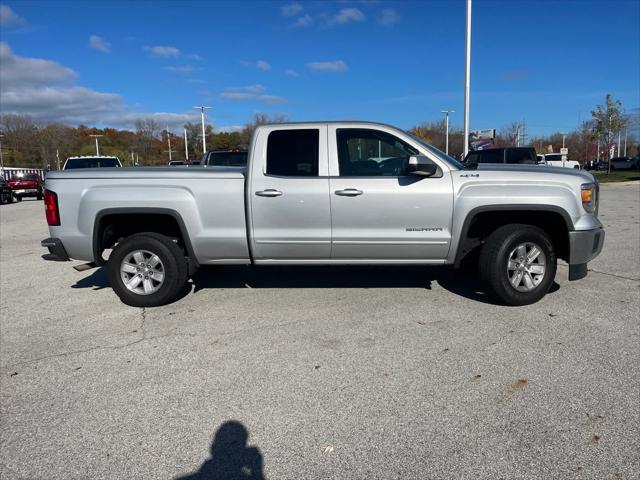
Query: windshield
92, 162
439, 153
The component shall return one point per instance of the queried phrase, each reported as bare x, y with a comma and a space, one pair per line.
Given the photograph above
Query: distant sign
564, 151
475, 135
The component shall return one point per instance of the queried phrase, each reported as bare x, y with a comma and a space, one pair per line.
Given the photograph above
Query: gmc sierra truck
330, 193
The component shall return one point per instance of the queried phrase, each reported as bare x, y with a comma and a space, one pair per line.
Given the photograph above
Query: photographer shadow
231, 457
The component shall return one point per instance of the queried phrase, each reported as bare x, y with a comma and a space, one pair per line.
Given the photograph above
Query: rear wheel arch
480, 222
113, 223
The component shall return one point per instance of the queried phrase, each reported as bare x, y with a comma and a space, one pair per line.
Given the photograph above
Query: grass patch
617, 176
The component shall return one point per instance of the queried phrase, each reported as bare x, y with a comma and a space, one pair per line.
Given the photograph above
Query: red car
27, 185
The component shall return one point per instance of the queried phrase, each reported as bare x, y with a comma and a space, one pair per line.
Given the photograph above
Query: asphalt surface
320, 373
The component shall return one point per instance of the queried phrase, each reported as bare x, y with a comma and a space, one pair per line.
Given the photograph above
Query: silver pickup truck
326, 193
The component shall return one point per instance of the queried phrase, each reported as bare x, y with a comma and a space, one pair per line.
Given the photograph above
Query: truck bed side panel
212, 210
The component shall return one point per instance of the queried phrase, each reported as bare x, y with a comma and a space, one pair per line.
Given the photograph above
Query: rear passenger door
289, 195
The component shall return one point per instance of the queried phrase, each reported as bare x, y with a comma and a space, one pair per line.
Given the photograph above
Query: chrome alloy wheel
142, 272
526, 266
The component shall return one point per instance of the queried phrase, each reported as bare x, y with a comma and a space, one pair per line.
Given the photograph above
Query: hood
505, 167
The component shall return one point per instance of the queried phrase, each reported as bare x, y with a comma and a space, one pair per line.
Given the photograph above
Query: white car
555, 160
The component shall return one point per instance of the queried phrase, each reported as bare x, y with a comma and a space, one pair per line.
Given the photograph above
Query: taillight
51, 208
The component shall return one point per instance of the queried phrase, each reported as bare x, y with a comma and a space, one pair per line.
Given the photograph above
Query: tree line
590, 140
26, 143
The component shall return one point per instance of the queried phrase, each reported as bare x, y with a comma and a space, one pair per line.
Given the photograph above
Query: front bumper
57, 253
584, 246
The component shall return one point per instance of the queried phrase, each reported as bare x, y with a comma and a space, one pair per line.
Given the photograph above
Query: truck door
288, 195
379, 211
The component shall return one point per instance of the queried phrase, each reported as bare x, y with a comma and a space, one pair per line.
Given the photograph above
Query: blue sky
107, 63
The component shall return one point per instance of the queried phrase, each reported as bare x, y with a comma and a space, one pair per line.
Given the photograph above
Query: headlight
589, 200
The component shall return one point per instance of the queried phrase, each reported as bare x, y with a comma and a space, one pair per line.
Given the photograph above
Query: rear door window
521, 156
293, 153
491, 156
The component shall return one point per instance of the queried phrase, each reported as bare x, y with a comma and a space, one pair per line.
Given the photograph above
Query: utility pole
186, 149
58, 158
518, 135
96, 137
202, 108
564, 136
446, 118
467, 79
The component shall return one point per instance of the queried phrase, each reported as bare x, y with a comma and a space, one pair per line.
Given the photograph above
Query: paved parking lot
305, 373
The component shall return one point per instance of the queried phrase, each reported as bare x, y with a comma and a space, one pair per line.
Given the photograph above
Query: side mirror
422, 166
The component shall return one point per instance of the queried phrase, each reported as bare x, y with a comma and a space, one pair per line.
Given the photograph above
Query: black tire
18, 198
494, 259
39, 197
174, 267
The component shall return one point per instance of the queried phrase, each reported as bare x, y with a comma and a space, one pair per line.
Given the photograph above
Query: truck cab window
372, 153
293, 153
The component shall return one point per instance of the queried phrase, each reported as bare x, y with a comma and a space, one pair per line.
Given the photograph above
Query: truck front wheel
147, 270
518, 264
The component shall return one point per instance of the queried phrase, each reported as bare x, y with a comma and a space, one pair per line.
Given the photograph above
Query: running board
85, 266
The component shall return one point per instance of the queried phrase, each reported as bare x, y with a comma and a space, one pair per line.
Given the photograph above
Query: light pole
96, 137
446, 121
609, 146
169, 141
564, 136
467, 79
186, 149
1, 160
202, 108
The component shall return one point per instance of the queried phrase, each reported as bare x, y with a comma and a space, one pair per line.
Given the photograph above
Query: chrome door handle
349, 192
269, 192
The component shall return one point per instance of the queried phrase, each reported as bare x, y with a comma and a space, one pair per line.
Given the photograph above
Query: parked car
176, 163
555, 160
625, 163
337, 193
91, 162
6, 194
26, 185
512, 155
232, 157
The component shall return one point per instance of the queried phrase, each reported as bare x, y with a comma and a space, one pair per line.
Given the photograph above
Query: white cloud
251, 93
9, 18
30, 72
346, 15
263, 65
303, 21
260, 64
289, 72
388, 17
257, 88
229, 128
36, 87
195, 56
180, 68
334, 66
163, 51
99, 43
291, 9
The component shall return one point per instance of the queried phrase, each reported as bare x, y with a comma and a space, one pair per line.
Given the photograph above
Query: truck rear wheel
518, 264
147, 270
